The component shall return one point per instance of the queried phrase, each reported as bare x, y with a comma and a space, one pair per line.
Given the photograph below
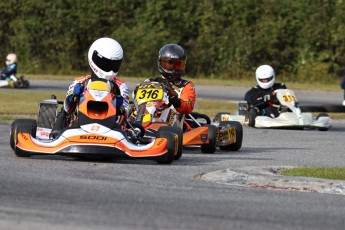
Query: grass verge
325, 173
25, 103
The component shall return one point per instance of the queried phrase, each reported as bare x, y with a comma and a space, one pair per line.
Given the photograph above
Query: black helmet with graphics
172, 61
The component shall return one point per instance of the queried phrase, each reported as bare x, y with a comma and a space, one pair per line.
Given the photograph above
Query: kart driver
11, 66
262, 97
171, 66
105, 57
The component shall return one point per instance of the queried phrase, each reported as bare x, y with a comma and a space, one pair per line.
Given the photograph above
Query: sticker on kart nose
203, 138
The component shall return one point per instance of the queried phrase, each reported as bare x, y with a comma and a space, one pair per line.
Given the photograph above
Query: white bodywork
293, 117
4, 83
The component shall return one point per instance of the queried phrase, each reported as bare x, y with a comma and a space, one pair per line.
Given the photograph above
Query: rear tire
26, 84
212, 135
239, 135
206, 118
179, 133
24, 126
169, 156
218, 117
202, 119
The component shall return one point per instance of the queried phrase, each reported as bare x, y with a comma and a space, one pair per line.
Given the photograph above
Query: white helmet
11, 58
265, 76
105, 58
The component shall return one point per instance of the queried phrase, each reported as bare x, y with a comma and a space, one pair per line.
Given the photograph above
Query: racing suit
181, 95
6, 72
264, 101
75, 91
77, 88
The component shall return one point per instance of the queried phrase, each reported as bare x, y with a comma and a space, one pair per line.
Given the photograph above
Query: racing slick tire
218, 116
322, 115
212, 138
26, 84
201, 116
202, 119
251, 118
239, 135
22, 125
169, 157
179, 133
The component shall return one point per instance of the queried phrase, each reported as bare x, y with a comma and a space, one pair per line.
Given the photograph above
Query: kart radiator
47, 113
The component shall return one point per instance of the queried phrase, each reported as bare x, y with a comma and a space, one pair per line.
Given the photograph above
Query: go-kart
95, 130
290, 115
14, 82
153, 110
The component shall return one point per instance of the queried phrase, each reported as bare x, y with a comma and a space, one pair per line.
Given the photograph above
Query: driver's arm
256, 98
187, 99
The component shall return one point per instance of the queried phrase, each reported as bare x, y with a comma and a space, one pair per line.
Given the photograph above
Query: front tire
169, 156
21, 126
179, 133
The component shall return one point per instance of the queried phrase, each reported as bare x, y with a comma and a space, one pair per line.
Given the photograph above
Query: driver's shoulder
82, 79
279, 85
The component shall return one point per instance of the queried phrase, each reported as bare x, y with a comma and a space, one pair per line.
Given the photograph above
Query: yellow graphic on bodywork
98, 85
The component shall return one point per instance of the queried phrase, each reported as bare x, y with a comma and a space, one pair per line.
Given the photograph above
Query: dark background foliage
302, 39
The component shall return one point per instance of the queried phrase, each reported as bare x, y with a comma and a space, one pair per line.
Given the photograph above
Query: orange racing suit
186, 94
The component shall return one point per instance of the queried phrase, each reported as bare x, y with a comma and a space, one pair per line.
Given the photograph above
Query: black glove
166, 84
174, 100
120, 109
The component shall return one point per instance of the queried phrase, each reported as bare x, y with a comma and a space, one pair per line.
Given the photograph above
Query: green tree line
304, 40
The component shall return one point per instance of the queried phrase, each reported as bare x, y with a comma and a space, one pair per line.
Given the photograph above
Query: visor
265, 80
106, 64
177, 65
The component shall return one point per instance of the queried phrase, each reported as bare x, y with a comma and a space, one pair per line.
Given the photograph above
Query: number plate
289, 98
148, 94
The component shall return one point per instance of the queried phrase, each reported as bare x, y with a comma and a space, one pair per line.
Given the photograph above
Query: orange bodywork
190, 137
25, 142
97, 113
193, 137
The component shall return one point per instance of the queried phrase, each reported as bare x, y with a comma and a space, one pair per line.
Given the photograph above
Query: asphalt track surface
53, 192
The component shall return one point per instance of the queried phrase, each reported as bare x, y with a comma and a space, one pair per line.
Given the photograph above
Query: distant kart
94, 131
14, 82
153, 110
290, 116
